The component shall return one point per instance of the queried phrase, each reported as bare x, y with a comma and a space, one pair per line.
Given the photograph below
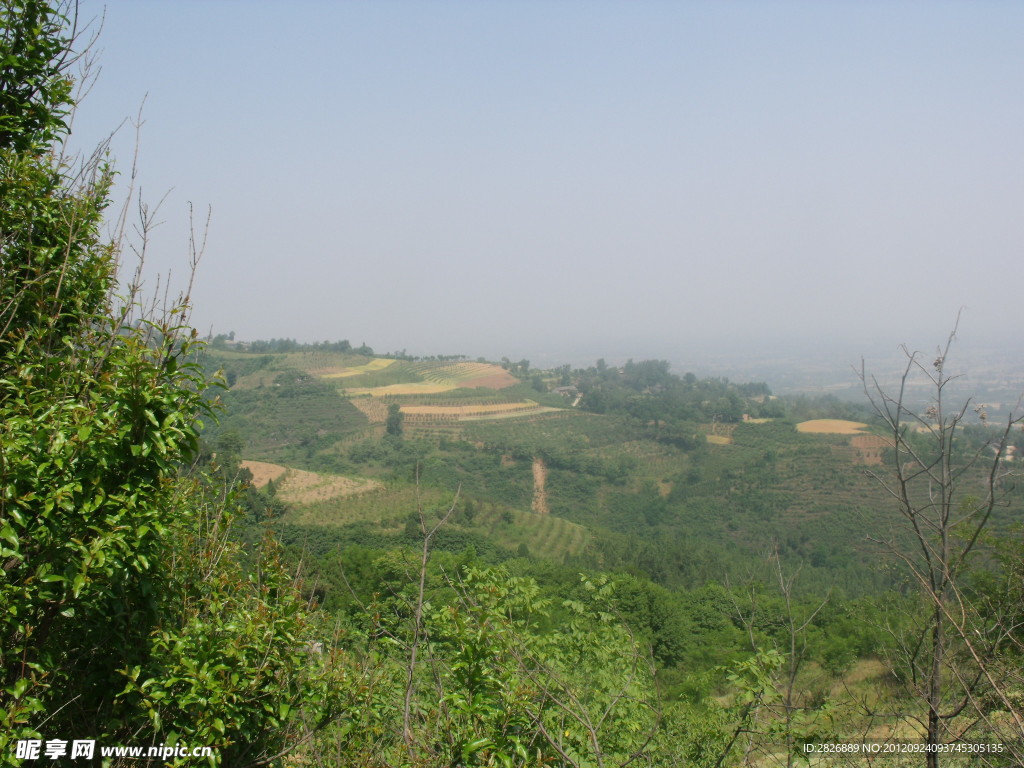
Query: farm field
425, 378
299, 486
246, 370
388, 509
551, 538
831, 427
465, 411
693, 491
263, 472
468, 375
377, 364
531, 410
410, 388
376, 410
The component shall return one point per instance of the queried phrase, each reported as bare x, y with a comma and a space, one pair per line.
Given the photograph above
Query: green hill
687, 480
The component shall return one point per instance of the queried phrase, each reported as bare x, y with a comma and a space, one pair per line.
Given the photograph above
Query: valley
730, 520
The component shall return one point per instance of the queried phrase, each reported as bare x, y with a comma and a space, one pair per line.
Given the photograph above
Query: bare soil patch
263, 472
831, 427
301, 487
494, 377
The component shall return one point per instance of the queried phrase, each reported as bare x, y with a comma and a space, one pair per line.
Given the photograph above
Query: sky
565, 180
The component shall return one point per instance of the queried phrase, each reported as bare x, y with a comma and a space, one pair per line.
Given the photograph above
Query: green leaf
7, 534
19, 688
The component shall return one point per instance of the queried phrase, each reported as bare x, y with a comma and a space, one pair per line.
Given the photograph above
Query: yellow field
718, 439
413, 388
465, 410
377, 364
301, 487
831, 427
263, 472
532, 411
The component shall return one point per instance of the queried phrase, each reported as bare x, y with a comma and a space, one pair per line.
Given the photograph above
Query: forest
317, 555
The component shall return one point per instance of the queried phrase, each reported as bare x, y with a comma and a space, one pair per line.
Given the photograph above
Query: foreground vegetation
637, 568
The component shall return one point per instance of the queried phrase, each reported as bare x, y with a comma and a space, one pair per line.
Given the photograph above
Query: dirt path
540, 496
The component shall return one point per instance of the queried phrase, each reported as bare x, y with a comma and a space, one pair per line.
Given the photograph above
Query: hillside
352, 560
608, 468
724, 521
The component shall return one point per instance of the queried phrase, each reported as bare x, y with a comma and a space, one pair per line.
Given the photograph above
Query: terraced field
377, 364
467, 412
427, 378
252, 370
388, 509
545, 536
469, 375
373, 408
298, 486
376, 410
432, 392
831, 427
410, 388
535, 410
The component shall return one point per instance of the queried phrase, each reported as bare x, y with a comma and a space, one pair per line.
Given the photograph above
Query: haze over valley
511, 385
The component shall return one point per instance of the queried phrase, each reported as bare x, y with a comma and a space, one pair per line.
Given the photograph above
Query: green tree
125, 616
394, 421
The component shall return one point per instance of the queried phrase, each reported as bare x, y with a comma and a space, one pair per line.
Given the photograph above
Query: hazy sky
549, 178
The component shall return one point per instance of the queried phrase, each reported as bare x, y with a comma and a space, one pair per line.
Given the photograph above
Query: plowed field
831, 427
